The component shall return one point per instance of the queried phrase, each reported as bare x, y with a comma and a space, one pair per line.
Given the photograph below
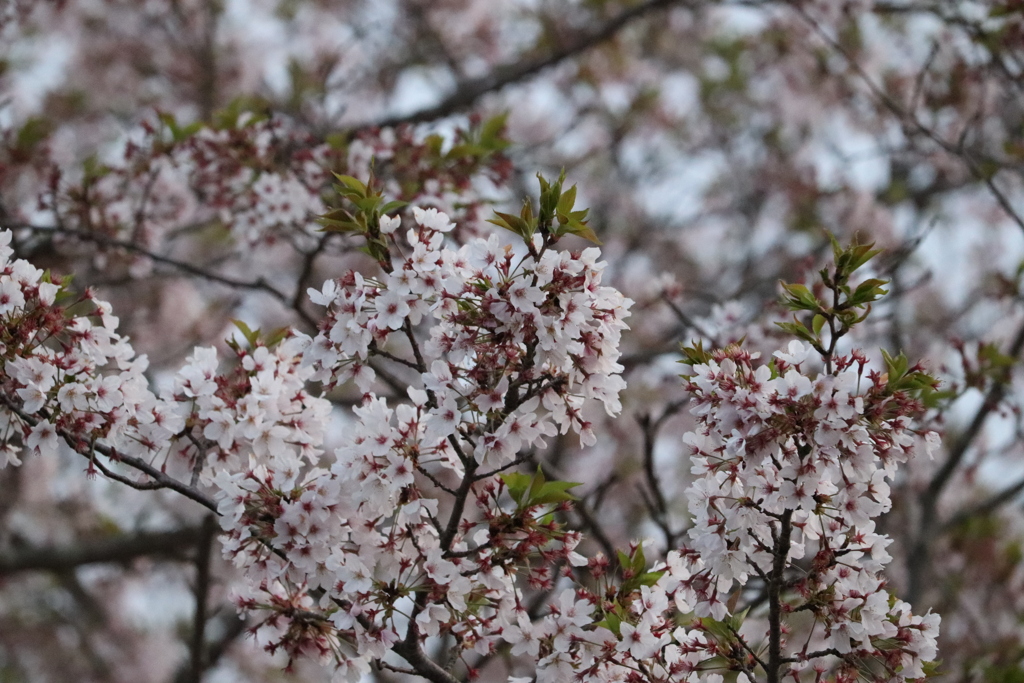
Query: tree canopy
593, 340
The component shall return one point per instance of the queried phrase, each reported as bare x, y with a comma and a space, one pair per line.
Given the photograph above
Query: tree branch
197, 655
259, 284
910, 121
775, 582
466, 93
917, 560
986, 507
159, 479
119, 549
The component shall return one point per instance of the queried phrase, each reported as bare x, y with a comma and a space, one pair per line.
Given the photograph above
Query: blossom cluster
234, 174
790, 473
519, 342
64, 376
261, 178
411, 521
794, 469
68, 379
512, 331
419, 527
459, 181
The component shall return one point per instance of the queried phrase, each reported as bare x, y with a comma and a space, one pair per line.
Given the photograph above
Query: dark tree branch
687, 321
987, 506
597, 531
206, 60
929, 499
119, 549
197, 656
233, 626
742, 641
467, 93
992, 400
410, 650
659, 506
259, 284
776, 581
308, 262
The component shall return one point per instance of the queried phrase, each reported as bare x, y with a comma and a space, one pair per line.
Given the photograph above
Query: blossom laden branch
349, 561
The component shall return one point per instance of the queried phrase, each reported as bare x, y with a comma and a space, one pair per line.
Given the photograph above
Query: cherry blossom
419, 527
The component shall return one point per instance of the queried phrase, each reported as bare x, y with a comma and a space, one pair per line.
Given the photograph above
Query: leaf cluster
846, 307
901, 377
532, 490
992, 365
555, 217
726, 633
633, 567
479, 142
243, 109
255, 338
29, 137
369, 205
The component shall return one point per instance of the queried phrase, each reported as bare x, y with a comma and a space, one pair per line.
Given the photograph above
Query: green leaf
554, 492
639, 561
817, 323
491, 132
719, 629
393, 206
32, 132
567, 201
376, 249
937, 398
550, 195
517, 484
509, 221
251, 336
435, 143
581, 229
276, 337
736, 620
649, 578
352, 183
624, 560
799, 298
849, 318
339, 220
867, 292
526, 213
228, 117
529, 490
695, 354
612, 622
463, 150
896, 367
837, 249
994, 358
93, 169
861, 254
797, 329
336, 140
